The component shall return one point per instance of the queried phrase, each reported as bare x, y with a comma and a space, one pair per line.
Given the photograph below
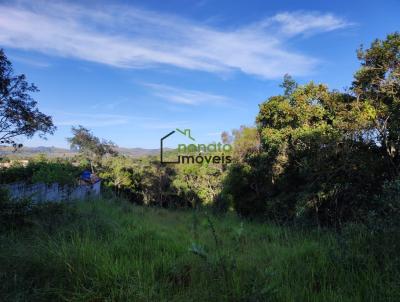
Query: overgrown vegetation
318, 175
42, 170
19, 114
114, 251
316, 156
325, 154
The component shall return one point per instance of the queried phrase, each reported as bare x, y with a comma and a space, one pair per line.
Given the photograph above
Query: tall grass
113, 251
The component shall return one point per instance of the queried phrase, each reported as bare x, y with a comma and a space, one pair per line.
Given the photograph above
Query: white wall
41, 192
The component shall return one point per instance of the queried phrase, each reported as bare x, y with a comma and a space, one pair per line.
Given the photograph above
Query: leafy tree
246, 142
90, 147
124, 175
319, 153
318, 148
156, 182
377, 84
41, 170
289, 85
61, 172
226, 138
198, 184
19, 115
245, 188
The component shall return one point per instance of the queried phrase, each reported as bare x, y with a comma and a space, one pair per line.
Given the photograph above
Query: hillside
61, 152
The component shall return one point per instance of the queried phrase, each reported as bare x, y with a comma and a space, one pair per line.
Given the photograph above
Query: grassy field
113, 251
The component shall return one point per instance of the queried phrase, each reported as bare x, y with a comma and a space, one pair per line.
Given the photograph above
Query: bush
13, 213
62, 172
23, 213
386, 214
239, 190
51, 172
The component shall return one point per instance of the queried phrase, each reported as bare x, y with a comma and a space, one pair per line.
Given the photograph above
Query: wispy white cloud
307, 22
184, 96
95, 120
128, 37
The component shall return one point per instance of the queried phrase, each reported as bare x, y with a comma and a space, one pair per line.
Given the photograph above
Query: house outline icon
185, 132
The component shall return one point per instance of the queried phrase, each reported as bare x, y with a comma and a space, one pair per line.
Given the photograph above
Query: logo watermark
193, 153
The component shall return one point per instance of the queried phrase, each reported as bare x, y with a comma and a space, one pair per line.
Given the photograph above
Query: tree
156, 182
246, 142
320, 154
123, 175
311, 157
19, 115
377, 84
289, 85
226, 138
90, 147
198, 184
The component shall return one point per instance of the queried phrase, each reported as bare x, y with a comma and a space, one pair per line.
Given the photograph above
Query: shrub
51, 172
47, 172
386, 214
13, 213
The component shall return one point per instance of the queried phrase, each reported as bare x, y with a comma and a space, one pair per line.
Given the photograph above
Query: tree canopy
19, 115
89, 146
324, 153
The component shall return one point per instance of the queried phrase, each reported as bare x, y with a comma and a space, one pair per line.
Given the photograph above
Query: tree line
315, 155
326, 156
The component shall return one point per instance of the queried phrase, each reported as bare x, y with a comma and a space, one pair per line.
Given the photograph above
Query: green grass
113, 251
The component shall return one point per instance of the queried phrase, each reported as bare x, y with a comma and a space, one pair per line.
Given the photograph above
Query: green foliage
4, 196
124, 176
323, 153
13, 214
198, 183
289, 85
59, 172
246, 143
386, 214
315, 157
145, 181
16, 173
42, 170
107, 251
318, 155
90, 147
377, 84
19, 115
241, 187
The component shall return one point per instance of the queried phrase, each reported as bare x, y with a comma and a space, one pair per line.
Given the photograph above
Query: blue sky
131, 71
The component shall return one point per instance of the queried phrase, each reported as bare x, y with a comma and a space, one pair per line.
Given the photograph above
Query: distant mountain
61, 152
137, 152
31, 151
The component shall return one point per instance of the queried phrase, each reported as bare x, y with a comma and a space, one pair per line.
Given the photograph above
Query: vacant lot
113, 251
